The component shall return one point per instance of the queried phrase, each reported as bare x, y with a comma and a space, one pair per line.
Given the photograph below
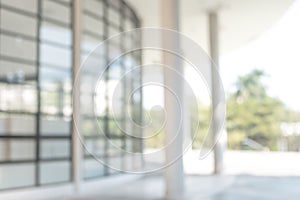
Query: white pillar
187, 117
174, 177
77, 148
220, 142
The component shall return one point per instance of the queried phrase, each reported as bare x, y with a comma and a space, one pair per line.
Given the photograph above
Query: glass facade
109, 147
36, 53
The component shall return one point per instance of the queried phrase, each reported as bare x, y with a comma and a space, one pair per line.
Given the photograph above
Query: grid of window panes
102, 20
35, 92
35, 89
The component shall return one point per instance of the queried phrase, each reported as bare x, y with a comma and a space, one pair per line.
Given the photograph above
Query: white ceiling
240, 20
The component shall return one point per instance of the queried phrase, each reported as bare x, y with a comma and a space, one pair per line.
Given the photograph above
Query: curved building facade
36, 85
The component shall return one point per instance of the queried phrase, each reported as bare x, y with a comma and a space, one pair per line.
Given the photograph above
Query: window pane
114, 17
133, 162
55, 148
17, 150
17, 48
16, 175
18, 98
52, 79
90, 43
56, 11
115, 4
129, 144
115, 147
53, 102
95, 146
128, 44
14, 22
16, 72
89, 126
112, 31
114, 51
94, 6
28, 5
92, 168
66, 1
55, 126
54, 33
55, 56
115, 71
87, 84
87, 103
93, 25
94, 63
54, 172
128, 25
115, 127
17, 124
117, 163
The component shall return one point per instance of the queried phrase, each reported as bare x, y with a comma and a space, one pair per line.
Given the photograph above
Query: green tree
251, 86
252, 113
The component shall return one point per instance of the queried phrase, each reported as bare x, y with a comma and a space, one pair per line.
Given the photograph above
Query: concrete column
219, 140
174, 177
77, 148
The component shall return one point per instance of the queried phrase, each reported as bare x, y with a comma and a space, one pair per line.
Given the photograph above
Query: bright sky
277, 52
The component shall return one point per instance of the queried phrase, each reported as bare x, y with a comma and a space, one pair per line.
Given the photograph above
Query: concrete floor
241, 187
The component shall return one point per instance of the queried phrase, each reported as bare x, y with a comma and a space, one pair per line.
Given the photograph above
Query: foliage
200, 121
252, 113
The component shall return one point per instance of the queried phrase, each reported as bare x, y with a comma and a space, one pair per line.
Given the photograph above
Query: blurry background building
42, 46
